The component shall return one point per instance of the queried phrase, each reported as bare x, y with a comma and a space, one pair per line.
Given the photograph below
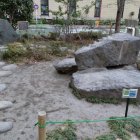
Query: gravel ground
38, 87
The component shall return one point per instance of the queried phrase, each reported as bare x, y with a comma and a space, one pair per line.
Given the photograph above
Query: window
98, 8
45, 7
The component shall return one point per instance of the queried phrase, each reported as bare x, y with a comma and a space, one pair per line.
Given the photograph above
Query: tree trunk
120, 10
118, 21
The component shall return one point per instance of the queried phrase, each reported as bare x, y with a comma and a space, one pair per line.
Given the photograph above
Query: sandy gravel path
38, 87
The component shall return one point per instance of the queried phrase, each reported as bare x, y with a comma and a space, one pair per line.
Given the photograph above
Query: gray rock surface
5, 126
5, 73
108, 83
138, 61
5, 105
2, 87
10, 67
7, 33
115, 50
65, 66
2, 64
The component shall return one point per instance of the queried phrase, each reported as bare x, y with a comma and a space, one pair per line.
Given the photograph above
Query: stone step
105, 83
10, 67
2, 64
2, 87
5, 126
5, 73
66, 66
5, 105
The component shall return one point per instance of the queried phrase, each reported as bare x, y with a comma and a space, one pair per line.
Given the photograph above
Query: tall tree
15, 10
120, 10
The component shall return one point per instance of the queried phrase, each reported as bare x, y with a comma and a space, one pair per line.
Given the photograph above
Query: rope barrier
84, 121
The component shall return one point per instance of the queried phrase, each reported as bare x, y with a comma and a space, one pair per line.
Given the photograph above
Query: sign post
129, 94
36, 8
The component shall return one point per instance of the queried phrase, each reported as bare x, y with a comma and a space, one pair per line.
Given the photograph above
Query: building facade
103, 9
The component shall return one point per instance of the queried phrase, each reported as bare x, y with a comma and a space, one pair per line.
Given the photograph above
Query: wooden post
42, 122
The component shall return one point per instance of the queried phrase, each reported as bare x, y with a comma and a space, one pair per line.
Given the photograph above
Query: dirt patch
38, 87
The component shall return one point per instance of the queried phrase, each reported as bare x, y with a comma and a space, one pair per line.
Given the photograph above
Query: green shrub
53, 35
13, 52
90, 35
43, 20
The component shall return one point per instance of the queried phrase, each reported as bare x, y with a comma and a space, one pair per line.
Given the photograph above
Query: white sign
129, 93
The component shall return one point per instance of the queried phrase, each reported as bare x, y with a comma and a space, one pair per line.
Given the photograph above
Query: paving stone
2, 87
5, 126
5, 73
10, 67
5, 105
2, 64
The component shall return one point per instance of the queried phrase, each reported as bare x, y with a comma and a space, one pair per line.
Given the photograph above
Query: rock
2, 64
5, 126
5, 73
65, 66
7, 33
106, 84
138, 66
10, 67
115, 50
138, 61
5, 104
2, 87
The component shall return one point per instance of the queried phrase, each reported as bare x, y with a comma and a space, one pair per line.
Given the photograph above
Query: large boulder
105, 83
115, 50
7, 33
66, 66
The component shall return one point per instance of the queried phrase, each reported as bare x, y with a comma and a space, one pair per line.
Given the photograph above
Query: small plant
64, 133
43, 20
53, 36
107, 137
121, 129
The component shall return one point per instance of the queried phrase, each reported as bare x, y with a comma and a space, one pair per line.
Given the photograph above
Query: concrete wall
108, 9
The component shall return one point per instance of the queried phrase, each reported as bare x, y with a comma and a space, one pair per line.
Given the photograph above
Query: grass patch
99, 100
122, 129
64, 133
103, 100
19, 52
40, 50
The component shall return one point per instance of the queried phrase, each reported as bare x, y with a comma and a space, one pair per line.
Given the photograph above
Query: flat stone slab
2, 64
2, 87
118, 49
5, 105
5, 126
65, 66
10, 67
5, 73
107, 84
